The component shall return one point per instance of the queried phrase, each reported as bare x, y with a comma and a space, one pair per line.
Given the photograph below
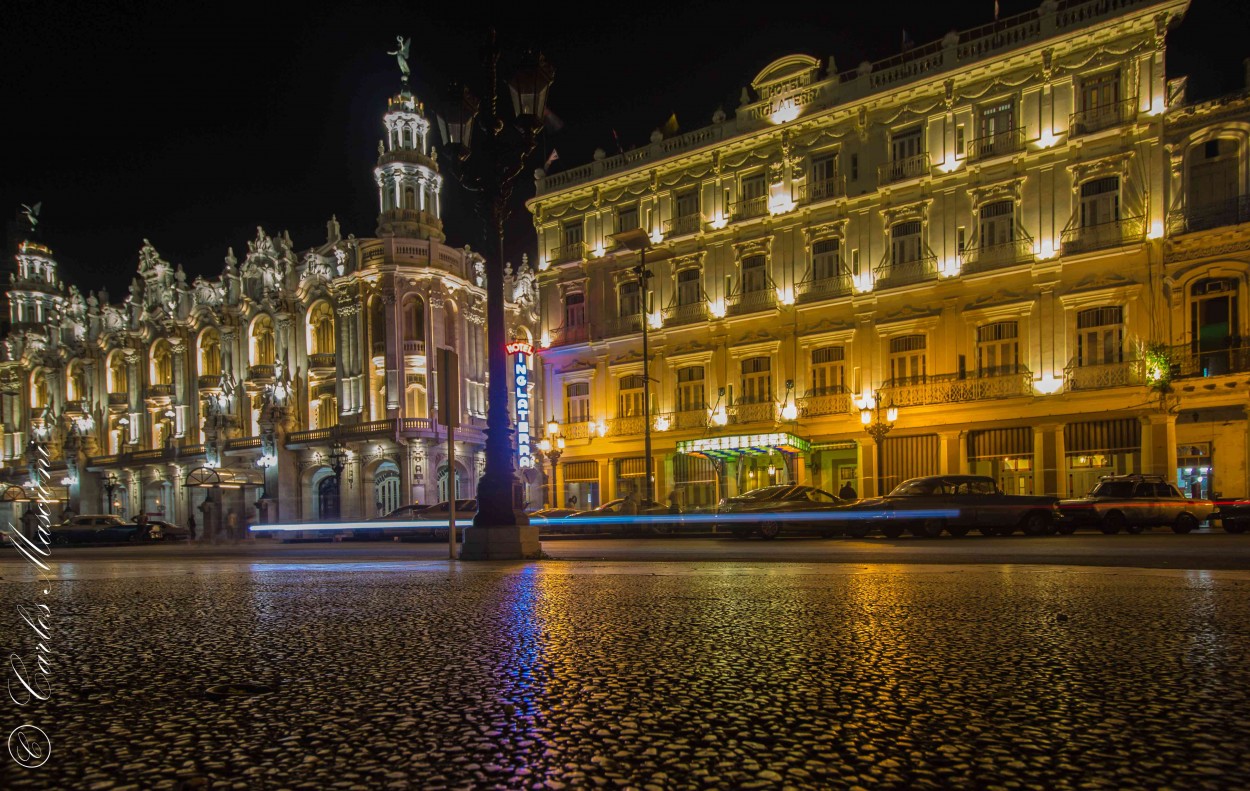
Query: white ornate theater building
298, 385
1023, 237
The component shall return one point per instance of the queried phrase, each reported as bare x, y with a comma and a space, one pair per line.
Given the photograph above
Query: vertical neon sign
520, 380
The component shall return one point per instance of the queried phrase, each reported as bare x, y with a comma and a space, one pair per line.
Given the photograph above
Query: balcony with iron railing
159, 390
1101, 236
570, 334
322, 361
686, 224
623, 325
985, 258
828, 401
814, 289
568, 253
1125, 373
690, 418
903, 169
630, 426
753, 412
1008, 141
1193, 361
678, 315
264, 372
817, 191
954, 389
208, 381
1205, 216
892, 274
1104, 116
751, 301
751, 207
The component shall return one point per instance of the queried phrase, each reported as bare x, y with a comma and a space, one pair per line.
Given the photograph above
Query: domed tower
407, 175
35, 289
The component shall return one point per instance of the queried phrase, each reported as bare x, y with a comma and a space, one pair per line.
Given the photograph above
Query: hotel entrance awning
208, 477
736, 445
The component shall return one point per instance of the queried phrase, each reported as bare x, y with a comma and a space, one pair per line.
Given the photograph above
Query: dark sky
191, 123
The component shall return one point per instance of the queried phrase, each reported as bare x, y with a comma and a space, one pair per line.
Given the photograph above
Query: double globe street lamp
486, 155
878, 421
552, 447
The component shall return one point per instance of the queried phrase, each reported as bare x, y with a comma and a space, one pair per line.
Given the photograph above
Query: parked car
651, 517
95, 529
160, 530
403, 512
1234, 515
1133, 503
789, 508
955, 504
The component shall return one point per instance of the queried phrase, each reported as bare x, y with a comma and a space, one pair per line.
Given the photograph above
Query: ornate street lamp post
552, 446
870, 414
110, 486
486, 156
338, 460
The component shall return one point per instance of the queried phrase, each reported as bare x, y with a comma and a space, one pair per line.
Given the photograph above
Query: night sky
192, 123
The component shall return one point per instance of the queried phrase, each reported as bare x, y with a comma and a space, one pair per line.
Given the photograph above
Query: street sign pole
449, 416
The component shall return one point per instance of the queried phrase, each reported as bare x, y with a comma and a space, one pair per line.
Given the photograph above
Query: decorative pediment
755, 336
578, 366
824, 231
1105, 279
1114, 165
687, 261
750, 247
828, 325
629, 356
1011, 189
916, 210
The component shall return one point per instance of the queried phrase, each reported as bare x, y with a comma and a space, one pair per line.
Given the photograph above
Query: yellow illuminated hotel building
1022, 237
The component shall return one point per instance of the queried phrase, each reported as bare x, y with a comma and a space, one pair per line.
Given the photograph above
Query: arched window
414, 319
326, 412
210, 353
162, 366
415, 403
263, 351
449, 324
410, 198
629, 401
117, 373
321, 329
75, 382
39, 394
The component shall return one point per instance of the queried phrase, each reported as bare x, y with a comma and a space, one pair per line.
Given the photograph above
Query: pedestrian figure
141, 527
674, 502
30, 523
191, 527
630, 504
847, 492
232, 527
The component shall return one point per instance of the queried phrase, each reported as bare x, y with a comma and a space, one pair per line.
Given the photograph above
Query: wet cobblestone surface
647, 675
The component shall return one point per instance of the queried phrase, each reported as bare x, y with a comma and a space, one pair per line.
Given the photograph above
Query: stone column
1049, 460
1158, 445
867, 461
950, 450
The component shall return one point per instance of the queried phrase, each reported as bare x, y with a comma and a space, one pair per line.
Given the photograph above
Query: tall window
995, 119
825, 259
907, 359
627, 218
1213, 175
1100, 336
824, 175
75, 382
906, 144
757, 380
754, 187
629, 402
828, 370
998, 349
326, 411
263, 352
117, 374
162, 364
321, 329
905, 246
210, 353
572, 233
754, 274
39, 395
414, 319
1100, 201
574, 309
691, 394
577, 402
997, 224
1100, 93
689, 291
415, 400
629, 299
687, 204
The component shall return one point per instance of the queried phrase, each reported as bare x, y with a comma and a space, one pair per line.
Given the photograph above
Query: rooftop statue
401, 55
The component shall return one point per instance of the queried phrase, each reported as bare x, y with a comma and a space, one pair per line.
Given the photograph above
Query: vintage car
955, 504
1133, 503
783, 508
99, 529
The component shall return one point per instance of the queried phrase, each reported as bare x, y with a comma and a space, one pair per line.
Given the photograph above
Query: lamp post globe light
486, 154
338, 461
552, 446
110, 486
878, 425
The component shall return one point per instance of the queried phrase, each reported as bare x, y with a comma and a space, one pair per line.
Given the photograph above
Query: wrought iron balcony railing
753, 412
751, 207
828, 402
892, 274
951, 389
1193, 361
568, 253
690, 418
623, 325
816, 289
1125, 373
680, 226
905, 168
751, 301
1007, 141
997, 256
626, 426
1202, 217
816, 191
1084, 239
1104, 116
569, 334
677, 315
